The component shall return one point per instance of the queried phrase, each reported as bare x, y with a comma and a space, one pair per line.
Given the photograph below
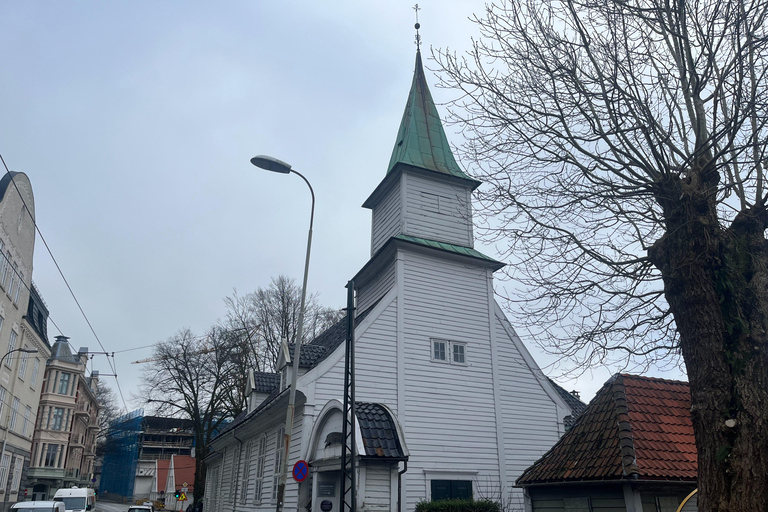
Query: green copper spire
421, 140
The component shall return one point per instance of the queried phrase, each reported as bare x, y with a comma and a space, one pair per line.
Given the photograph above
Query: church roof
634, 428
421, 140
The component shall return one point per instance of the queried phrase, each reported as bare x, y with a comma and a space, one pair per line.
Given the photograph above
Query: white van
76, 499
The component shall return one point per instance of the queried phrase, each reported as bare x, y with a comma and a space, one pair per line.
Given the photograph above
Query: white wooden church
450, 402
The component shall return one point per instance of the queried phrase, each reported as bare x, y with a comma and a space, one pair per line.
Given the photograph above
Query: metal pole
348, 466
295, 361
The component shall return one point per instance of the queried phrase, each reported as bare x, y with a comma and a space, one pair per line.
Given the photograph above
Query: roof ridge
624, 429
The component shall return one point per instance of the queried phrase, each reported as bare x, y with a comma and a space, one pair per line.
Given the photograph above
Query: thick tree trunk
716, 284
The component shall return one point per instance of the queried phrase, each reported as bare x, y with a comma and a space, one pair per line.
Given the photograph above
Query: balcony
43, 472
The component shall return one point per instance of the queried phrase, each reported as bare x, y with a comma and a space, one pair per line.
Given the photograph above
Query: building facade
449, 401
23, 343
67, 424
632, 449
134, 448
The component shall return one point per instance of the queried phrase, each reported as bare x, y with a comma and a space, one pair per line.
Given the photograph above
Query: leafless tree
108, 411
269, 314
623, 145
190, 378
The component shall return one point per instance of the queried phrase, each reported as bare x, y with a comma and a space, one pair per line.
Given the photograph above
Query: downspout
239, 460
400, 485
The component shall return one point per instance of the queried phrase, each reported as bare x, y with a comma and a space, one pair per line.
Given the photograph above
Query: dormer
425, 194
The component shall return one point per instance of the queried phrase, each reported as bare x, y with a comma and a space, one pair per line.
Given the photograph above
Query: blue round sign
300, 470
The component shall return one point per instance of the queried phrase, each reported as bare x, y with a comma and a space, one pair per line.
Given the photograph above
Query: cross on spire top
417, 26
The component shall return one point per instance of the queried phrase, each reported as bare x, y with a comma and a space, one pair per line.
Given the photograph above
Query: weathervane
417, 27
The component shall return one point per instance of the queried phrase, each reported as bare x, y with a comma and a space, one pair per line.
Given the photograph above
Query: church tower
425, 199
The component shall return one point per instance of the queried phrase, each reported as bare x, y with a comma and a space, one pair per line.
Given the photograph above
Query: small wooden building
631, 450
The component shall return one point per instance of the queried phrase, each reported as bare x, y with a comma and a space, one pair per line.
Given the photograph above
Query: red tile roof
635, 427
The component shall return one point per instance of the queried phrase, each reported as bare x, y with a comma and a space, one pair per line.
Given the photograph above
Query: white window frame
2, 400
5, 465
18, 465
14, 278
23, 363
25, 425
5, 264
454, 345
278, 466
444, 350
246, 473
18, 288
14, 413
261, 463
448, 346
11, 346
35, 373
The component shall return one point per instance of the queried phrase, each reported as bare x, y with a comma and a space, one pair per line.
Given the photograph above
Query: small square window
439, 350
458, 353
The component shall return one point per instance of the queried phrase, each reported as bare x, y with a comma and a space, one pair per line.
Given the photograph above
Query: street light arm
312, 192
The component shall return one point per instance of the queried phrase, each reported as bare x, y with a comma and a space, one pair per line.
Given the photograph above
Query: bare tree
190, 378
269, 314
623, 144
109, 410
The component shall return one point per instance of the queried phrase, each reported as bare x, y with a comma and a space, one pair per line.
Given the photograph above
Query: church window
451, 489
246, 472
438, 350
458, 353
279, 449
261, 459
450, 352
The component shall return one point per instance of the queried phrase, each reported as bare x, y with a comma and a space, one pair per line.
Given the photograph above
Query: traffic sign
184, 484
183, 497
184, 489
300, 470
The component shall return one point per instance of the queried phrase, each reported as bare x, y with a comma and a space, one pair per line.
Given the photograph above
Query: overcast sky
135, 122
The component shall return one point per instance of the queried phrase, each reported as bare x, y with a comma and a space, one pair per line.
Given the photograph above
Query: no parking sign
300, 470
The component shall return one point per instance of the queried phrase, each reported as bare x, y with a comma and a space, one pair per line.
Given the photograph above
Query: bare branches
584, 118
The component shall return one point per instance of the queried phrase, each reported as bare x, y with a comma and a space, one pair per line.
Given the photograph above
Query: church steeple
421, 140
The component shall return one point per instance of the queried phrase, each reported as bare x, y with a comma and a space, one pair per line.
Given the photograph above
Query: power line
50, 253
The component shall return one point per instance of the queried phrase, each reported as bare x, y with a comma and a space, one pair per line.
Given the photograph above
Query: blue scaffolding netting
120, 454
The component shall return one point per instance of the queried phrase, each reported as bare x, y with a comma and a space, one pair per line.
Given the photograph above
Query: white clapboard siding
449, 419
387, 218
375, 289
529, 415
375, 364
437, 210
378, 480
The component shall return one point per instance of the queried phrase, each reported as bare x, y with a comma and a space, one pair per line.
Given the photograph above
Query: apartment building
23, 343
67, 424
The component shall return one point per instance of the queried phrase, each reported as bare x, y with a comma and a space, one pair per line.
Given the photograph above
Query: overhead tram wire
50, 253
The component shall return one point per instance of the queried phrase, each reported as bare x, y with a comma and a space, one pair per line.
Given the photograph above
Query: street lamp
273, 164
27, 350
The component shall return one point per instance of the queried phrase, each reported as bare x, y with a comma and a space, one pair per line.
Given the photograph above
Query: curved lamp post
27, 350
273, 164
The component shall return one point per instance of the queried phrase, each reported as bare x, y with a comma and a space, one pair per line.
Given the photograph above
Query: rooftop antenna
417, 26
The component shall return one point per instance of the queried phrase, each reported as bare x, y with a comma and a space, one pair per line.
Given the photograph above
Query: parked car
38, 506
141, 508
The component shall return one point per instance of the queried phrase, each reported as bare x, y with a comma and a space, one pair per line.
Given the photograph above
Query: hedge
463, 505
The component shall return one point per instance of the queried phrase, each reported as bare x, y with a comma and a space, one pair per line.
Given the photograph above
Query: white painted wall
437, 210
387, 218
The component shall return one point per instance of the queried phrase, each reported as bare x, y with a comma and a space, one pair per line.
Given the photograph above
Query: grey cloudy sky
135, 122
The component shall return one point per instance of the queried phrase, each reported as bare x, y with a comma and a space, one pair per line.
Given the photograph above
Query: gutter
400, 485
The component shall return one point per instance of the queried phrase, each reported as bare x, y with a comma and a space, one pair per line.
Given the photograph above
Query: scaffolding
121, 455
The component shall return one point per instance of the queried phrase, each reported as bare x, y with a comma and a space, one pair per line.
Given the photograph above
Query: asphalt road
111, 506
